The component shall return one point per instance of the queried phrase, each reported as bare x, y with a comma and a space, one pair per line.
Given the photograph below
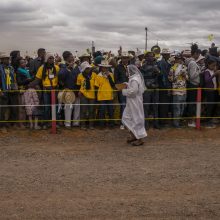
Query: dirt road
96, 175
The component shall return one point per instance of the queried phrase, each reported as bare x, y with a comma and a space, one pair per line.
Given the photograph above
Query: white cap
85, 65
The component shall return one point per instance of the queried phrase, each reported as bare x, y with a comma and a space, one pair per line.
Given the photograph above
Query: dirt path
95, 175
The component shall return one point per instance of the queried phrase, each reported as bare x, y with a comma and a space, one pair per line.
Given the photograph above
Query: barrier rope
78, 90
95, 120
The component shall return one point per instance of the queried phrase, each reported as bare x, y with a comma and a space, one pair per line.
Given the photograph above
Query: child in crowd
105, 84
31, 100
178, 77
23, 78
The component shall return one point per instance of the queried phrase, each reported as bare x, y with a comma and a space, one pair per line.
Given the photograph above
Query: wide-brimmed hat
4, 55
126, 55
200, 58
105, 63
60, 97
66, 97
85, 55
186, 53
48, 55
85, 65
165, 51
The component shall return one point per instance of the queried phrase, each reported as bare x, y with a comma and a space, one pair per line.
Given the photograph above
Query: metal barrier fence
54, 105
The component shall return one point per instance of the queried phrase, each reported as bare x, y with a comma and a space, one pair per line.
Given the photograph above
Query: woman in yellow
86, 81
47, 75
105, 84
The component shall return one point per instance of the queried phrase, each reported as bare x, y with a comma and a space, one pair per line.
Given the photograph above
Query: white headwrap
134, 71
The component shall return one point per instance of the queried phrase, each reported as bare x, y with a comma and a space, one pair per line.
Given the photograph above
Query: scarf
87, 80
48, 69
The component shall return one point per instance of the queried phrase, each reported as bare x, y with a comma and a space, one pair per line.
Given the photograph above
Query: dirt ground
96, 175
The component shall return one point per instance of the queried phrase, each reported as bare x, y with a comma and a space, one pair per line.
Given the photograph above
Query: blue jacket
68, 79
163, 80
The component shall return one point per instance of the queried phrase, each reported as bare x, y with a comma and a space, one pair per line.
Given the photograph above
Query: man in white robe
133, 116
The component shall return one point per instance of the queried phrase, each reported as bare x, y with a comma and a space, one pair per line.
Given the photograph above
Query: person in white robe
133, 116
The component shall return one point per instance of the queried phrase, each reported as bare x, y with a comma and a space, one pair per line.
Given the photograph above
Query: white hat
140, 53
4, 55
165, 51
126, 54
85, 55
105, 63
200, 58
76, 59
48, 55
66, 97
85, 65
186, 53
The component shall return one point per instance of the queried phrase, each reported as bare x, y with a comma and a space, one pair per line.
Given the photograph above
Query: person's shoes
192, 124
122, 127
83, 128
138, 142
68, 127
3, 130
157, 127
215, 121
177, 126
210, 125
45, 127
91, 127
131, 139
37, 128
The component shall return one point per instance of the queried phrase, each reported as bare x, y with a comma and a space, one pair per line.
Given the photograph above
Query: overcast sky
58, 25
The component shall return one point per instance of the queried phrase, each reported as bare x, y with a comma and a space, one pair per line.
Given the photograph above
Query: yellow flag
211, 37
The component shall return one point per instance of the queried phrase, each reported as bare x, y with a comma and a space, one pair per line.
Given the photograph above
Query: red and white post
53, 111
198, 108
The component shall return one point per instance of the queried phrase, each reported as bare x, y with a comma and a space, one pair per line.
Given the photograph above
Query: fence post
53, 111
198, 108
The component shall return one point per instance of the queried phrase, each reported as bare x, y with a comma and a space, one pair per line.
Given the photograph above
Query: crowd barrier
54, 105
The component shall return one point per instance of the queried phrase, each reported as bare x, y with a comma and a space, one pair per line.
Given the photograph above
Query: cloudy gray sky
73, 24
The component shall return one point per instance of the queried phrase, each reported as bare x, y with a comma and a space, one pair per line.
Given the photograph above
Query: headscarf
134, 71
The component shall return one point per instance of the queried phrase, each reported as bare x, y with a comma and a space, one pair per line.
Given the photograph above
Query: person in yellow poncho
105, 84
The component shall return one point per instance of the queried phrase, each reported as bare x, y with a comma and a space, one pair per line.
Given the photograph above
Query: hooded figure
133, 116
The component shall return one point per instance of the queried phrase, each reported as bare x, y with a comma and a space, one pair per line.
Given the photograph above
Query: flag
211, 37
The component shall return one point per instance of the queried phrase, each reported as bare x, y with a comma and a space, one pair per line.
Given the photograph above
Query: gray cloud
58, 25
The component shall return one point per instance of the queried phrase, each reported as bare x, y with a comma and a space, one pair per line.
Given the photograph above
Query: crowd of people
89, 88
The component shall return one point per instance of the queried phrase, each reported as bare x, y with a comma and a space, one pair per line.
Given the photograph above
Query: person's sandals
131, 139
139, 142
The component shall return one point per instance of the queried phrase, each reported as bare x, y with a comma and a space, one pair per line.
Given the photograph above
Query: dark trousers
211, 96
3, 101
47, 108
122, 102
164, 97
191, 97
151, 97
104, 108
9, 99
87, 110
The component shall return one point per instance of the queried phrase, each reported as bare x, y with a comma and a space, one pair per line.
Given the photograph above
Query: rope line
94, 120
78, 90
113, 104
